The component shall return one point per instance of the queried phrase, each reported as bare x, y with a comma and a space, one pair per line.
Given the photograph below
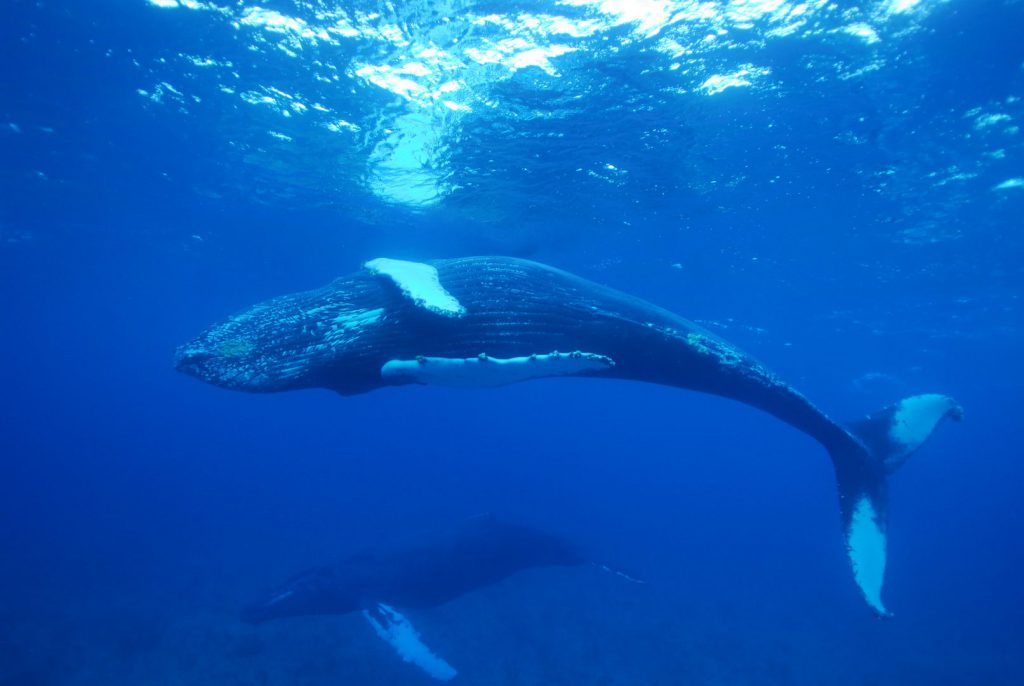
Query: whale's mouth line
229, 364
188, 358
193, 359
188, 354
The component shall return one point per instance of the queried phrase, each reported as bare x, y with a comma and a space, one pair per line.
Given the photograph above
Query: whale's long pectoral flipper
398, 631
483, 371
884, 441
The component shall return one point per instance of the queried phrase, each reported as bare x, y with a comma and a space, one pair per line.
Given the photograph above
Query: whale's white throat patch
865, 543
420, 283
485, 372
399, 632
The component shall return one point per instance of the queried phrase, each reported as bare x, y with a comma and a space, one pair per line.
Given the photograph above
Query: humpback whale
488, 321
379, 584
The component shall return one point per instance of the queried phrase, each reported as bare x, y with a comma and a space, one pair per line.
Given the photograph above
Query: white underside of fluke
865, 542
485, 372
399, 632
915, 418
420, 283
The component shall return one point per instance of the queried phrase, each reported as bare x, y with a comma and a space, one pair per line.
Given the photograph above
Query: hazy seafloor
836, 188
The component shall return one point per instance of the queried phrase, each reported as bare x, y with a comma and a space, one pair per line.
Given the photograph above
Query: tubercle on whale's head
316, 592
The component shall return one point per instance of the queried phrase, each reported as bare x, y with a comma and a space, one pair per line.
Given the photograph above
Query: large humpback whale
480, 553
488, 321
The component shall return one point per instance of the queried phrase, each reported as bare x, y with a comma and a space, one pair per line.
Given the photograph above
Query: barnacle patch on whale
709, 345
235, 347
484, 371
420, 283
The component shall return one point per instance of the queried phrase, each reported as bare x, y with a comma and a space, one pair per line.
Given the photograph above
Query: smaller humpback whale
488, 321
481, 553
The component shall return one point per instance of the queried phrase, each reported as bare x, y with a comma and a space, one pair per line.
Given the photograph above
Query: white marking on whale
866, 547
486, 372
350, 324
916, 417
420, 283
399, 632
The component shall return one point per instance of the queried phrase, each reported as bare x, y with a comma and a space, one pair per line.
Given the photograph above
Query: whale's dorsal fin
420, 283
399, 632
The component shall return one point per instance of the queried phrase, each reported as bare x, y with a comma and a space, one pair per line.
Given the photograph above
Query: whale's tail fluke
883, 442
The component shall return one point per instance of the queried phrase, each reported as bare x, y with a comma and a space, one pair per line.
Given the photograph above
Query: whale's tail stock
878, 445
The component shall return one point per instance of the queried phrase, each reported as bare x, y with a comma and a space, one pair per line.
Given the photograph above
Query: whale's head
247, 352
323, 591
282, 344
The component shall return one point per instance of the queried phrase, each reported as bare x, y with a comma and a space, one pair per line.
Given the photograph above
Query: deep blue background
140, 509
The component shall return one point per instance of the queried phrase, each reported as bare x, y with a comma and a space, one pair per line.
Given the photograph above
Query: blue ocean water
836, 187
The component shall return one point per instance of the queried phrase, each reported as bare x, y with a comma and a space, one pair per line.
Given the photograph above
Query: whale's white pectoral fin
399, 632
485, 372
420, 283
